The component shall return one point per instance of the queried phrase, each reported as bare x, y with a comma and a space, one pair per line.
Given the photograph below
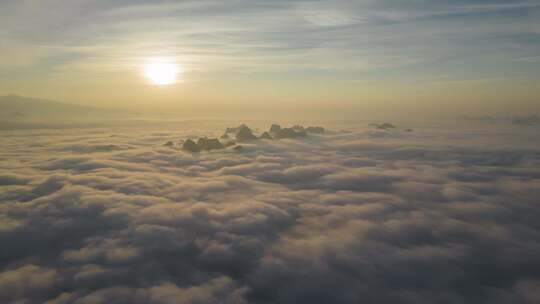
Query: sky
458, 56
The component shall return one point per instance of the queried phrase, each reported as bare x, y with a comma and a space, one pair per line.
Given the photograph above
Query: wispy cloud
266, 35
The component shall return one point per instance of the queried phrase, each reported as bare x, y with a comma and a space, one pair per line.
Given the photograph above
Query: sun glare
161, 72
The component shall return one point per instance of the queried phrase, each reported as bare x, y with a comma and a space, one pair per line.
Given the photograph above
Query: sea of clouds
355, 215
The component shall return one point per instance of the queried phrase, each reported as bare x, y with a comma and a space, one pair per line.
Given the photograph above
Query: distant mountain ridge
15, 107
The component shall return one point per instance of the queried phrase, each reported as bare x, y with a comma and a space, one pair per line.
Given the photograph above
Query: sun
161, 72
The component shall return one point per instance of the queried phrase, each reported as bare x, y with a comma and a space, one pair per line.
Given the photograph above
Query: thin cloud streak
263, 36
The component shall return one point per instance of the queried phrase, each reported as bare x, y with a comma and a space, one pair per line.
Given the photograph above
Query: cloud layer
351, 216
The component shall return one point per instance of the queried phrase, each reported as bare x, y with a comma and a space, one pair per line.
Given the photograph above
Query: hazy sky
375, 54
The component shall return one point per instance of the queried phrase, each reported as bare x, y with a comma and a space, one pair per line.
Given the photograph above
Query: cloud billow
342, 217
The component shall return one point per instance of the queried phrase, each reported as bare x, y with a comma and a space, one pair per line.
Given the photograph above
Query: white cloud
409, 217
